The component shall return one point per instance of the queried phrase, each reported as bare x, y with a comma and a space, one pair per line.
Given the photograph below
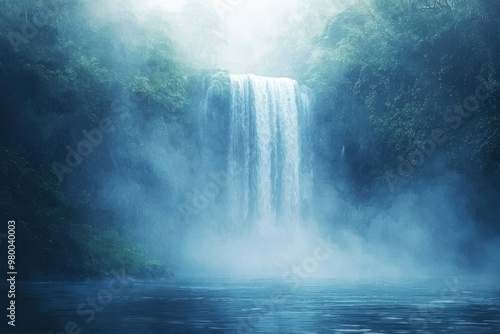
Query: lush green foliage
58, 77
386, 74
389, 72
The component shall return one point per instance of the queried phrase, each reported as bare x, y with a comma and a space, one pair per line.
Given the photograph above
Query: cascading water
265, 129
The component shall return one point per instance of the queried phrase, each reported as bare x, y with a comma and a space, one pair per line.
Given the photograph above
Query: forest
100, 144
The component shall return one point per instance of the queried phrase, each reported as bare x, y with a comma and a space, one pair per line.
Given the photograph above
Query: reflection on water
258, 306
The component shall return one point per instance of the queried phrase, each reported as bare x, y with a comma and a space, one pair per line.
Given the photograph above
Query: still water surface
258, 306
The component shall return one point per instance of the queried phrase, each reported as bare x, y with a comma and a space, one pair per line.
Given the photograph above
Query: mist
250, 166
424, 231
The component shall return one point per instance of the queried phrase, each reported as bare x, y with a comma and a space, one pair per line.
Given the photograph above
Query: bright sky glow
177, 5
170, 5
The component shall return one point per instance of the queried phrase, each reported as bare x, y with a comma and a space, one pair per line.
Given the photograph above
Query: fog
425, 231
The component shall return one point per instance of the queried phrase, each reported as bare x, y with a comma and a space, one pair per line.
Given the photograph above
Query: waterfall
267, 142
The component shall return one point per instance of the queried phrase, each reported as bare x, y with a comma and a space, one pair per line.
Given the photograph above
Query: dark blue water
258, 306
